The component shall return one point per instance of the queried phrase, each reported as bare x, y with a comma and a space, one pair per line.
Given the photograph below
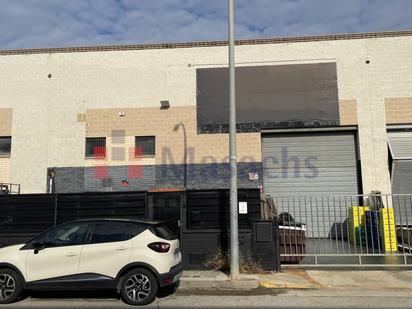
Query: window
5, 146
95, 147
115, 231
145, 146
163, 231
71, 234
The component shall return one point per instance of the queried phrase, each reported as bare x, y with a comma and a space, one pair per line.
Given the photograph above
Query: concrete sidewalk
302, 280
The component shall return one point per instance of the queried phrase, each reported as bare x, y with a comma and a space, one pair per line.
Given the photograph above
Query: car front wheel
139, 287
11, 286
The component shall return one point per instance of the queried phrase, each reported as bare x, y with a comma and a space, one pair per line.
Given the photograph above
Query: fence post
277, 243
55, 208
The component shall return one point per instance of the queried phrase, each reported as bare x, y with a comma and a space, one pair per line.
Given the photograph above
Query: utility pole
234, 233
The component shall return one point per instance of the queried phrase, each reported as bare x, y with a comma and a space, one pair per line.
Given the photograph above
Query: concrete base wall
141, 178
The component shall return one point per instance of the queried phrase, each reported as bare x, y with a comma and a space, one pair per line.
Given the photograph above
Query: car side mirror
38, 245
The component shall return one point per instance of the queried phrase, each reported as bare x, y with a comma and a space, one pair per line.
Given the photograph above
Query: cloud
55, 23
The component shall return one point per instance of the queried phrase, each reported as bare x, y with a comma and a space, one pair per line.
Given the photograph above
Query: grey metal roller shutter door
311, 164
402, 177
400, 143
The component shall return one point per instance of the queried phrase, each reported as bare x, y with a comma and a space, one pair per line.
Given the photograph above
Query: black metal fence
207, 229
25, 215
210, 209
204, 217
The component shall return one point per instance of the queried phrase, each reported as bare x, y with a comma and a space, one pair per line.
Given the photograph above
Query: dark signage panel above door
269, 96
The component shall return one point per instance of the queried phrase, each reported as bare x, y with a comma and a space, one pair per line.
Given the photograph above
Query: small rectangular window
5, 146
95, 147
145, 146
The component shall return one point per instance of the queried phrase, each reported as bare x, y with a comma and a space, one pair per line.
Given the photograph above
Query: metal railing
345, 229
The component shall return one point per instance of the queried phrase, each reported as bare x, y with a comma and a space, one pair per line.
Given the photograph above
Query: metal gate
332, 230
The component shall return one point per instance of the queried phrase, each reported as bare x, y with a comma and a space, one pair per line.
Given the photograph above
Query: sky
59, 23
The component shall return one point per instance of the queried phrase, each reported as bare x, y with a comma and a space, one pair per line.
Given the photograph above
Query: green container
360, 233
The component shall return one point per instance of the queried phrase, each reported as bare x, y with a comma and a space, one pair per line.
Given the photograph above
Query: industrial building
316, 115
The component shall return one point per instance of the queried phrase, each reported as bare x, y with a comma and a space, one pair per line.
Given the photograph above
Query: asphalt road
233, 299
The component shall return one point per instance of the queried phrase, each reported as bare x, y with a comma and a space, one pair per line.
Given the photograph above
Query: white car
134, 257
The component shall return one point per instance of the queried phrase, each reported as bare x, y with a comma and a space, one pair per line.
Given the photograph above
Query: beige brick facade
348, 112
4, 170
201, 148
398, 110
6, 117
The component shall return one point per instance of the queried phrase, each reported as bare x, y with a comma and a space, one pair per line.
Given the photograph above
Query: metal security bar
345, 229
145, 146
95, 147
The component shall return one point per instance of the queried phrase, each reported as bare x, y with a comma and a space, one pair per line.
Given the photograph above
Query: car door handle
121, 248
71, 254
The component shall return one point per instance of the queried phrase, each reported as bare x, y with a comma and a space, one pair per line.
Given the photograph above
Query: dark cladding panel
272, 96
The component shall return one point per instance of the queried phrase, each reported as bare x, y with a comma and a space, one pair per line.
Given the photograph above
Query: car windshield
66, 235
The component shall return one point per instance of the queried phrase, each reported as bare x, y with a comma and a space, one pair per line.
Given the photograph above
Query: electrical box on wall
253, 176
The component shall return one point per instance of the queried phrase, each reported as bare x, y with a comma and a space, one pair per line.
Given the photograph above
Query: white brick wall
45, 128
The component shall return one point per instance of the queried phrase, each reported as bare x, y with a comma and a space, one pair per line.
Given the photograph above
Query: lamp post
234, 233
175, 129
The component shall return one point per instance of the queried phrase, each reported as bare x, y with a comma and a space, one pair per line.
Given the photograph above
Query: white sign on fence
243, 208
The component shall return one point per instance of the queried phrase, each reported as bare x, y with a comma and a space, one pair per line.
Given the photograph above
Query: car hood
10, 249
